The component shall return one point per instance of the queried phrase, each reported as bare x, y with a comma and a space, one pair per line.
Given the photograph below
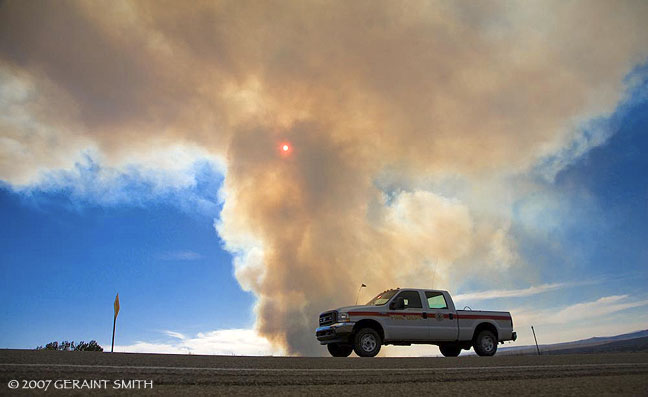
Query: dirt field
153, 374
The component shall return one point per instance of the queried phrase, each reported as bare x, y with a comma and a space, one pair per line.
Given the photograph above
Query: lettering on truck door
442, 322
407, 324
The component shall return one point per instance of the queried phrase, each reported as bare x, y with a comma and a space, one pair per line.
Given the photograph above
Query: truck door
407, 324
441, 321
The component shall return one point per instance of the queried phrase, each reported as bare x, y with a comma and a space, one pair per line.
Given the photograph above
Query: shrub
91, 346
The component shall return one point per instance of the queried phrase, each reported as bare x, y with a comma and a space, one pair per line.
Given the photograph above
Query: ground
582, 374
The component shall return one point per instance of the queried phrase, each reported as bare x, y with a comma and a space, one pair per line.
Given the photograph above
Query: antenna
434, 271
358, 295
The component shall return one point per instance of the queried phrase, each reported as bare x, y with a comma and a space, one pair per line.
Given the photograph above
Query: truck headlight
343, 317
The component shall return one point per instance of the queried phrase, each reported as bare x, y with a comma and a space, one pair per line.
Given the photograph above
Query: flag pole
112, 347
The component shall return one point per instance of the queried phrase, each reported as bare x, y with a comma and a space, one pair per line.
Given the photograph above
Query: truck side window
436, 300
412, 299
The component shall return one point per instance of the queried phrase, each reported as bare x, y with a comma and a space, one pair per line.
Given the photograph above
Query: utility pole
536, 340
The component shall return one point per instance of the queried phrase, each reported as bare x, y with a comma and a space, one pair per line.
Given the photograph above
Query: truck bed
468, 320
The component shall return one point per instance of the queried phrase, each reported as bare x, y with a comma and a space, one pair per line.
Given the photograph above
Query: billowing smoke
410, 124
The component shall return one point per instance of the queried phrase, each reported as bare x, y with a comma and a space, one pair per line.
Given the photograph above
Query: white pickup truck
412, 316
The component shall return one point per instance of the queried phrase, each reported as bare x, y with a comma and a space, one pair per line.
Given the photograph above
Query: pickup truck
412, 316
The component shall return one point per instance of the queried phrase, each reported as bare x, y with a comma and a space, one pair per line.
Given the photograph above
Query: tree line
91, 346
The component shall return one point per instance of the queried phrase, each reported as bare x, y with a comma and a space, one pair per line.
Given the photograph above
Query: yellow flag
116, 305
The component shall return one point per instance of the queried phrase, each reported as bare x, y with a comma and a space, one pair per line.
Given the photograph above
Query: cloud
192, 187
238, 342
514, 293
599, 308
174, 334
181, 256
573, 314
604, 316
420, 93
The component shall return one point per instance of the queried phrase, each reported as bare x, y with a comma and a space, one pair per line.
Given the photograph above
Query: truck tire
339, 350
485, 344
450, 350
367, 342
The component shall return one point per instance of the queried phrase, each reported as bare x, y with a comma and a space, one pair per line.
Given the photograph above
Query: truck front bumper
334, 333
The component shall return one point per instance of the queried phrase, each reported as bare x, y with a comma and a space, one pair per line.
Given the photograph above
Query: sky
493, 149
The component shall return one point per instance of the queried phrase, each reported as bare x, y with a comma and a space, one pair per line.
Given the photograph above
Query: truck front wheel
339, 350
450, 350
367, 342
485, 343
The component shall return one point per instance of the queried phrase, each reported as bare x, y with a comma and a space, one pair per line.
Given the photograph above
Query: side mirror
397, 304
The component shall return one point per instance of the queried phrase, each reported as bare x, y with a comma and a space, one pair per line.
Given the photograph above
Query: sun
285, 149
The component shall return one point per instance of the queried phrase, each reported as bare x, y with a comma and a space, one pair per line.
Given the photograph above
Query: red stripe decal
379, 314
431, 315
382, 314
481, 317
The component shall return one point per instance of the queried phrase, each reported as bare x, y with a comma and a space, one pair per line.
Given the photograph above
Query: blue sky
64, 259
496, 152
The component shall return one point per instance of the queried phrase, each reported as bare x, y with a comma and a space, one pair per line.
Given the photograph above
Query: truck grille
327, 318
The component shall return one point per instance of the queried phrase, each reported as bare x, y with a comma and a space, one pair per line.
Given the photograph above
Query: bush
91, 346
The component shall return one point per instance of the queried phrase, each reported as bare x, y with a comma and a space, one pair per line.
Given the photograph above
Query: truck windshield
382, 298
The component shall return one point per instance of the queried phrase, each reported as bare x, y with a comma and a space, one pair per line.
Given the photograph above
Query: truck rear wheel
339, 350
485, 344
450, 350
367, 342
